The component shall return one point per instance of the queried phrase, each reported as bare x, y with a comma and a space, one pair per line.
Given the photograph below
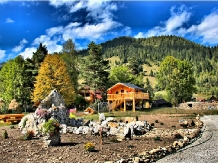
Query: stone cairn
51, 107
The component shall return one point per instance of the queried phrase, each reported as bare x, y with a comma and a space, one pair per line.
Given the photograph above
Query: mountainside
155, 49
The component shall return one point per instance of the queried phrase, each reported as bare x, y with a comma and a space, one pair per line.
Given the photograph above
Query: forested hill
155, 49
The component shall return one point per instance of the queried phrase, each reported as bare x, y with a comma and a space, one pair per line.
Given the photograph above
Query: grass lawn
164, 110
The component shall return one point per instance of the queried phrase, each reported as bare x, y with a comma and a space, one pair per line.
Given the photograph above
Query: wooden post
133, 104
101, 139
124, 105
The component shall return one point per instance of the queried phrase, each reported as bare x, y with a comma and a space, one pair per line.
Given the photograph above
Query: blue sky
24, 24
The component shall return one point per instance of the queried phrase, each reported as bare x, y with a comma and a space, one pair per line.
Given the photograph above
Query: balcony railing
130, 96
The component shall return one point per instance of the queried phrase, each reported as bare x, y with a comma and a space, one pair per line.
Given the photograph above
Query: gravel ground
203, 150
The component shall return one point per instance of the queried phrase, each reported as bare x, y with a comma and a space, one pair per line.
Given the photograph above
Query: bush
28, 136
114, 139
5, 135
156, 121
157, 138
130, 146
24, 122
89, 146
12, 127
161, 123
51, 127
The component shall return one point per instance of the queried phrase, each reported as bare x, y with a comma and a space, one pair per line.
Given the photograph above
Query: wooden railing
131, 95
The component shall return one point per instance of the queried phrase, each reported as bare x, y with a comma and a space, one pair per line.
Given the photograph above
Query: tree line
31, 79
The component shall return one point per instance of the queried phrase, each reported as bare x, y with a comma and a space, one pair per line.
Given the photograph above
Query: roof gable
128, 85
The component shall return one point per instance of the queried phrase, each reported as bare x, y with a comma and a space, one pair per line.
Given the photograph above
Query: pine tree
53, 74
94, 69
70, 57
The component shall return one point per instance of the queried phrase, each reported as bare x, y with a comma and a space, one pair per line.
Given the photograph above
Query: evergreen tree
39, 55
53, 74
70, 57
134, 65
149, 89
32, 65
95, 69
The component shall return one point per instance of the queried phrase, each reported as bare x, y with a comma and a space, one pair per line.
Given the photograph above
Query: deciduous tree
12, 80
53, 74
120, 74
176, 77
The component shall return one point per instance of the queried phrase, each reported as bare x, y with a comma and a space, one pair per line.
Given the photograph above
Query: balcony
128, 96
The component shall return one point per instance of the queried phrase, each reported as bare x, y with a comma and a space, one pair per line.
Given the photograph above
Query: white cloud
177, 19
3, 1
58, 3
99, 10
54, 30
9, 20
179, 16
20, 46
207, 29
140, 35
28, 52
2, 54
51, 45
90, 31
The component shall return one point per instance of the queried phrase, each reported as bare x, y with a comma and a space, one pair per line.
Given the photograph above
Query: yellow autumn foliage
53, 74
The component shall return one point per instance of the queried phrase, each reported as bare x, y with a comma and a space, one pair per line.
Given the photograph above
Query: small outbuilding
121, 93
89, 94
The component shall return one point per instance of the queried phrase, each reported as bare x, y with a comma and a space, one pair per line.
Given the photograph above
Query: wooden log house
121, 93
90, 95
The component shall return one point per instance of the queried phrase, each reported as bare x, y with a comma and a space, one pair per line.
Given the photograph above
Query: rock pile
198, 106
110, 127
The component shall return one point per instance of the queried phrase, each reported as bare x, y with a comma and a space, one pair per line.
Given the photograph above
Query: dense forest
155, 49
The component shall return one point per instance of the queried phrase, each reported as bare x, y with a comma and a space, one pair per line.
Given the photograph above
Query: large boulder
51, 107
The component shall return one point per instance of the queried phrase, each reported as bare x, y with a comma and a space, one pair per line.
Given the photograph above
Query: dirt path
203, 150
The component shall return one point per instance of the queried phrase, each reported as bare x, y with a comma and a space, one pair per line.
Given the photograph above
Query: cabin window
122, 91
117, 92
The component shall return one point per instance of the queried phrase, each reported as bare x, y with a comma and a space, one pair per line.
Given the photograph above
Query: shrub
156, 121
157, 138
51, 127
5, 135
130, 146
12, 127
114, 139
27, 136
89, 146
24, 122
161, 123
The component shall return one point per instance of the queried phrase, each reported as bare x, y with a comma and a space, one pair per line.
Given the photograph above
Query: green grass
5, 124
164, 110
